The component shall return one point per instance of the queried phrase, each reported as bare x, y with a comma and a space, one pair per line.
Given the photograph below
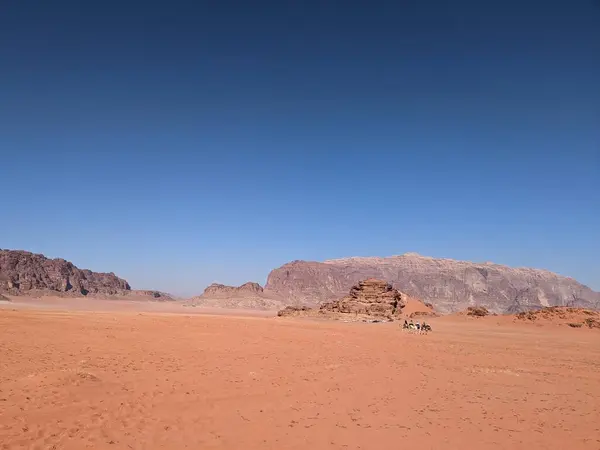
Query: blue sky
180, 143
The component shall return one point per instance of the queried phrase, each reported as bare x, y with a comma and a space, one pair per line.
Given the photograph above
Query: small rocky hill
367, 300
247, 296
144, 294
573, 317
449, 285
25, 273
376, 298
414, 308
222, 290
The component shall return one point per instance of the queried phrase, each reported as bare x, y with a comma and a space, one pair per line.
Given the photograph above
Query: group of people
416, 327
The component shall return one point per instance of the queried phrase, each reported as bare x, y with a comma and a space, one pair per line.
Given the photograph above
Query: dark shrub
477, 311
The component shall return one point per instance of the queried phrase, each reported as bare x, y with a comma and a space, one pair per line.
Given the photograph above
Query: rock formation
222, 290
476, 311
573, 317
144, 294
414, 308
295, 311
375, 298
367, 300
247, 296
450, 285
25, 273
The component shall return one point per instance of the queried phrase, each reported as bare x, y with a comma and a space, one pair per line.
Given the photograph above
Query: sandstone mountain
447, 284
144, 294
24, 273
222, 290
247, 296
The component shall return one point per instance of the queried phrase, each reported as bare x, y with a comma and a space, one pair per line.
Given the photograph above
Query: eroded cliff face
448, 284
247, 296
222, 290
376, 298
24, 272
367, 300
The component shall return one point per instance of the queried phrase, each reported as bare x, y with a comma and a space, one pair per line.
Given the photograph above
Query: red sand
415, 306
148, 380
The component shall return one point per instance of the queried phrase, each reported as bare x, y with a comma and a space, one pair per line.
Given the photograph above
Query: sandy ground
122, 305
147, 380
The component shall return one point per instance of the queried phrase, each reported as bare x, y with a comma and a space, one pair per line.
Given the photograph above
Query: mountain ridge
451, 260
450, 285
249, 295
22, 272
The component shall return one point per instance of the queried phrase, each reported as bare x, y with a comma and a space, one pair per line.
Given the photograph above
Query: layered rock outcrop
450, 285
247, 296
145, 294
573, 317
23, 272
290, 311
367, 300
222, 290
375, 298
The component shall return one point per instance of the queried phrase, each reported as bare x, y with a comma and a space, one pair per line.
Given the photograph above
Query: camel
416, 328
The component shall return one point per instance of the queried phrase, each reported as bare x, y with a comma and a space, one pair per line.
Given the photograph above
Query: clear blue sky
178, 143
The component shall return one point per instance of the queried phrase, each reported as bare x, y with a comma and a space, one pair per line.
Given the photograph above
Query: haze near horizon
178, 144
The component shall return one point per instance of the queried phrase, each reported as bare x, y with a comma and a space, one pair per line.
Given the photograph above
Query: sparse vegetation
575, 325
527, 315
592, 323
293, 310
423, 314
477, 311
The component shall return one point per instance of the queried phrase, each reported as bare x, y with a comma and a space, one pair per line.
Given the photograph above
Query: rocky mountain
247, 296
23, 272
447, 284
145, 294
222, 290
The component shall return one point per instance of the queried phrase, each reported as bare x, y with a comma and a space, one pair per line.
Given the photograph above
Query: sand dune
152, 380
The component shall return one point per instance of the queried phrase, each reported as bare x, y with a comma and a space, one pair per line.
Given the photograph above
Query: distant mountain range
247, 296
26, 273
447, 284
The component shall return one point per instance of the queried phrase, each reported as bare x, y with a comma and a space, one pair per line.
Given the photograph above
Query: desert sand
127, 376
